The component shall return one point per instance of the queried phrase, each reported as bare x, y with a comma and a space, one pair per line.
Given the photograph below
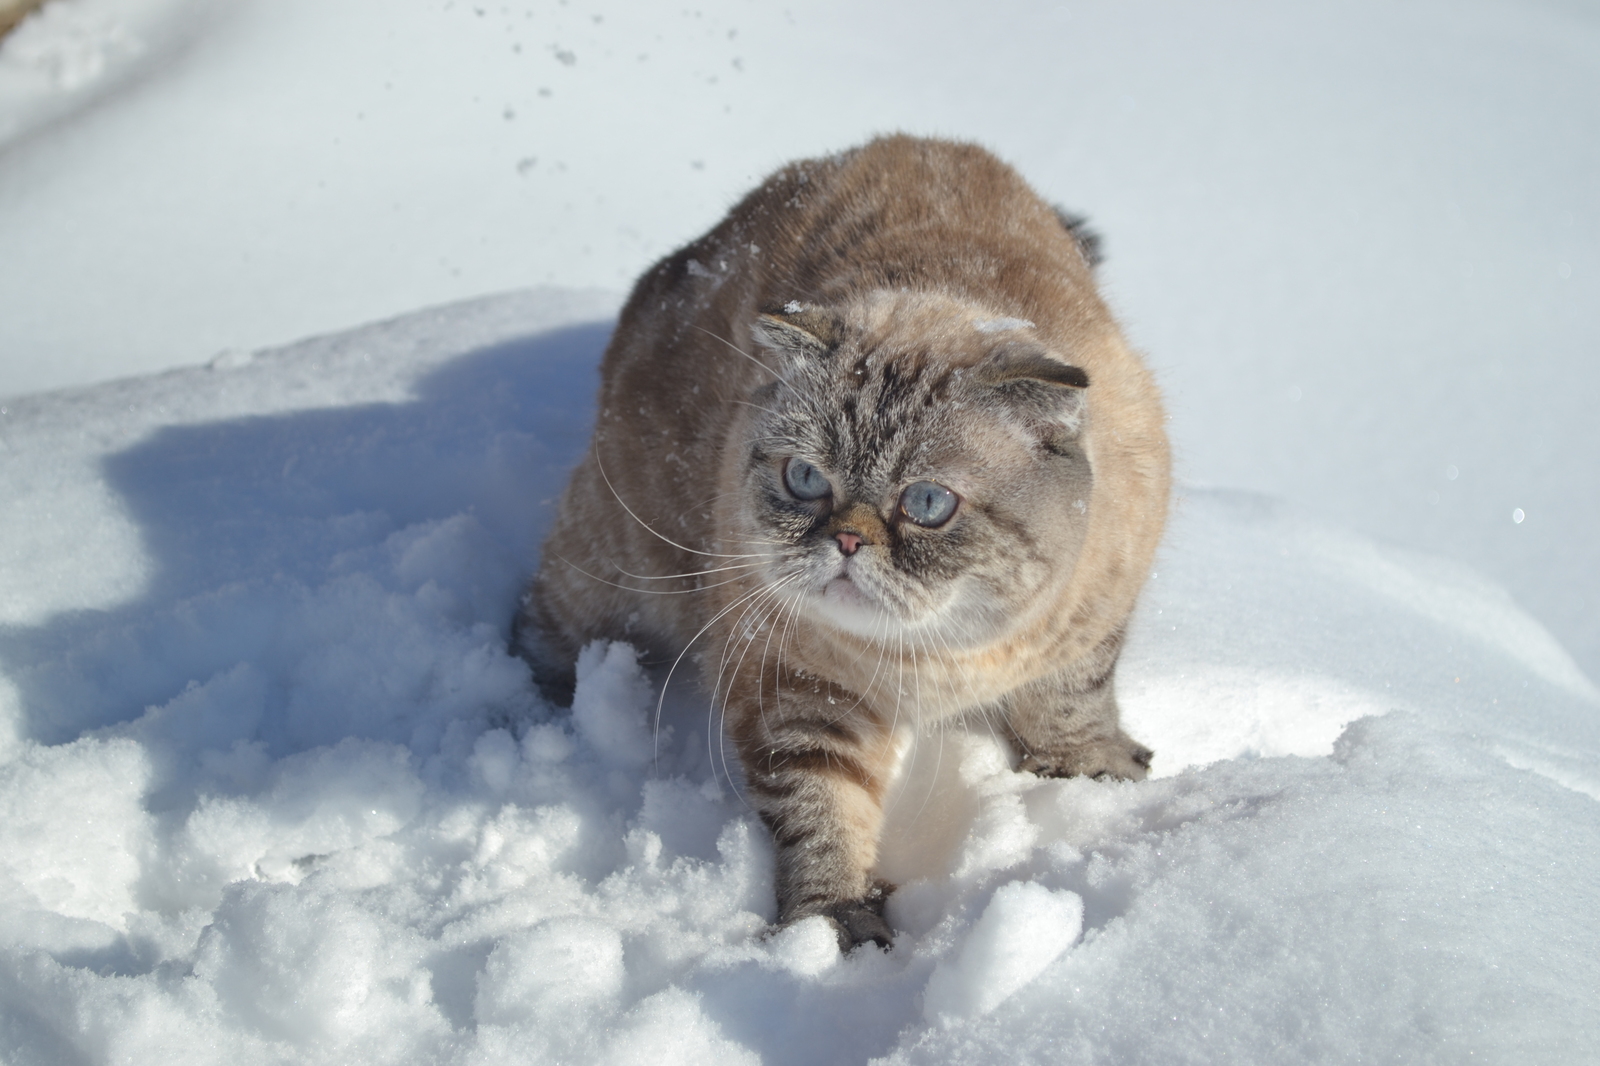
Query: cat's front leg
816, 764
1066, 724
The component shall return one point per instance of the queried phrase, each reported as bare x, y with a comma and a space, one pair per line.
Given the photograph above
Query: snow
1024, 928
273, 790
278, 792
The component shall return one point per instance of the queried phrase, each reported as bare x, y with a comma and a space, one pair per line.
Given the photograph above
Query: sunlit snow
272, 789
290, 799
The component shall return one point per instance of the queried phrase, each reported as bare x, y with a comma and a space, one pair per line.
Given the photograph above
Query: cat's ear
798, 329
1022, 363
1048, 391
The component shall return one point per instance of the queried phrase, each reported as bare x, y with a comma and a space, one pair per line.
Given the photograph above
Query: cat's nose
848, 542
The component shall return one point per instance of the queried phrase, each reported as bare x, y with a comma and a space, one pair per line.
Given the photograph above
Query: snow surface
272, 789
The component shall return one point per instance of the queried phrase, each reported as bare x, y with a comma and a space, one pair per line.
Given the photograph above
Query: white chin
842, 603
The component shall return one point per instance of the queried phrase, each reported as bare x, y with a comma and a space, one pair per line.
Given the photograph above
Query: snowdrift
272, 789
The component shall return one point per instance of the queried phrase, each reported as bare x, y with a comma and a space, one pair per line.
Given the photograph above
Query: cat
875, 453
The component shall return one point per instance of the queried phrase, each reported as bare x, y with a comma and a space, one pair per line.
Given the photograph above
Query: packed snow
272, 789
275, 791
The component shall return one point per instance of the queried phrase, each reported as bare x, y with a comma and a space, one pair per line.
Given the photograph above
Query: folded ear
1030, 362
798, 329
1045, 390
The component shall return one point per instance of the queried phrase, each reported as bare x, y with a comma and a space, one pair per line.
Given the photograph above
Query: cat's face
916, 473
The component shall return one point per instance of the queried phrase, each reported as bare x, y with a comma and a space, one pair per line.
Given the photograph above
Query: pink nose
848, 542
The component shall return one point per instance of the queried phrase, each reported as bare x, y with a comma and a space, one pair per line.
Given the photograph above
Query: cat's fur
903, 313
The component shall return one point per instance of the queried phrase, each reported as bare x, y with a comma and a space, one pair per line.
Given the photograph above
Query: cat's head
916, 468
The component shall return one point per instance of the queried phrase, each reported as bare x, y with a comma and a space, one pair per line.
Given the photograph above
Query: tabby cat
875, 453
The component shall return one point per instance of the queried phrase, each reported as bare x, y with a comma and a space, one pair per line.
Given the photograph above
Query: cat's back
900, 212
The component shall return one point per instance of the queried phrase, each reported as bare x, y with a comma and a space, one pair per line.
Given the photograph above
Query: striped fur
905, 314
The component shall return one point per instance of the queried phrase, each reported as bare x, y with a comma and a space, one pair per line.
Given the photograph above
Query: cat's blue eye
928, 504
805, 481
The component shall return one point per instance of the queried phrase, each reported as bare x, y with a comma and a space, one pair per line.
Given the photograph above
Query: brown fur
882, 263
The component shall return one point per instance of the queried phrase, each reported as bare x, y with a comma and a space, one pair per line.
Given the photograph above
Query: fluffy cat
875, 452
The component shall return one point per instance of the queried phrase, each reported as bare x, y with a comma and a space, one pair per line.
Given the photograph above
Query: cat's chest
908, 677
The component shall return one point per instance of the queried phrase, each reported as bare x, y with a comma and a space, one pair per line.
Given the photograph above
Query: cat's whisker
904, 770
990, 720
776, 605
731, 642
646, 592
761, 679
877, 642
719, 703
768, 603
707, 503
689, 573
938, 764
740, 624
600, 466
738, 350
900, 678
933, 780
661, 700
763, 410
950, 655
807, 399
743, 633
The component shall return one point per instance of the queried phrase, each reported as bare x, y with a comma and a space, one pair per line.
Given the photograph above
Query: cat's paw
856, 921
1118, 758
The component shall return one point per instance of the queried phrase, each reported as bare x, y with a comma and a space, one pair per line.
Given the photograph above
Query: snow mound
272, 789
1024, 928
